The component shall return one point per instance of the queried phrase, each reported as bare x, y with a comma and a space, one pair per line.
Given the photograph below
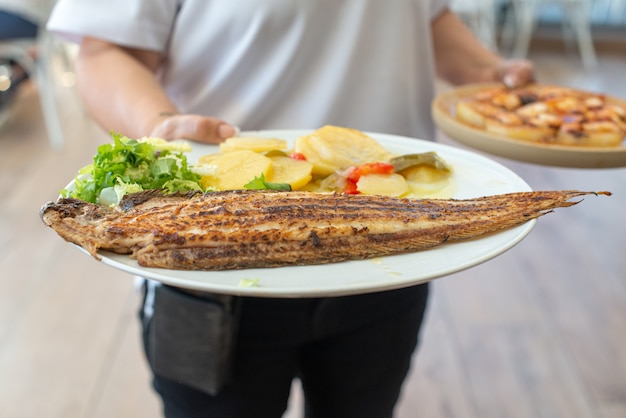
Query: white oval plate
475, 176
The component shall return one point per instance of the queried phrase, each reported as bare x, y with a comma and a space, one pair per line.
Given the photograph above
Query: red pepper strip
298, 156
353, 174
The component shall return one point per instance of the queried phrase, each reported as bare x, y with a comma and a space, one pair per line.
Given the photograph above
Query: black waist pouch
190, 338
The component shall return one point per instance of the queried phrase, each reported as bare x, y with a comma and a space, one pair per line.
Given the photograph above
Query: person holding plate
202, 69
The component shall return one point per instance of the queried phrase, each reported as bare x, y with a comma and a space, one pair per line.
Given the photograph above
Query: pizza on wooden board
546, 114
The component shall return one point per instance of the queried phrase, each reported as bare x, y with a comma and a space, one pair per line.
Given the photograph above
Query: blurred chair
35, 56
480, 16
522, 20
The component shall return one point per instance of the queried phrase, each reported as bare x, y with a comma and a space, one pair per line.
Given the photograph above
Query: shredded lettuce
127, 166
113, 195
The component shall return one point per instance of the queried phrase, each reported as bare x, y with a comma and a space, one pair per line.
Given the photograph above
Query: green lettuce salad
129, 166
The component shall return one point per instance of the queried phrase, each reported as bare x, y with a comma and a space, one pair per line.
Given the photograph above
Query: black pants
351, 353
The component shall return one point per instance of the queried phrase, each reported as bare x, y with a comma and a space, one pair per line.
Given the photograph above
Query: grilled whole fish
251, 228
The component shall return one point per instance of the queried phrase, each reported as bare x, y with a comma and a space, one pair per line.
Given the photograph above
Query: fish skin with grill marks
255, 229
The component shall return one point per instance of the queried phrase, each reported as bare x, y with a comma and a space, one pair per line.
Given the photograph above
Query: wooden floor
538, 332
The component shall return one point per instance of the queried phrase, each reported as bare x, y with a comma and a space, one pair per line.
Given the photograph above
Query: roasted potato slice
333, 148
255, 144
383, 184
524, 132
296, 173
235, 169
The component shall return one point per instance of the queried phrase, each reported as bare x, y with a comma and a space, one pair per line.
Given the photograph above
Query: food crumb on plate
249, 282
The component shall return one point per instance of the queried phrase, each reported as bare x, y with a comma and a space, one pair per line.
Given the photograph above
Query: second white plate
444, 115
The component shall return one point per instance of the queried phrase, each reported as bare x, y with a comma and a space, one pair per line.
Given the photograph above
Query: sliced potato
383, 184
333, 148
256, 144
313, 186
424, 174
321, 167
288, 170
443, 189
235, 169
428, 182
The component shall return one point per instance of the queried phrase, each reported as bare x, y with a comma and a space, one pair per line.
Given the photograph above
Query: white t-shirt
280, 64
